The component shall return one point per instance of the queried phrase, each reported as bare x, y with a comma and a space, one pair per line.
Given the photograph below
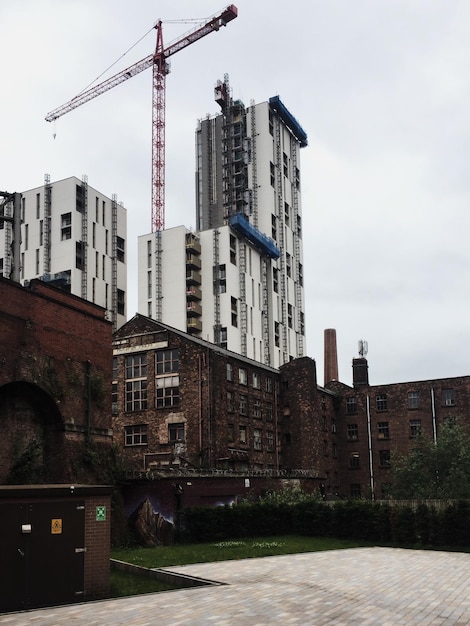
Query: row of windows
384, 459
136, 435
240, 434
255, 378
258, 409
383, 430
414, 401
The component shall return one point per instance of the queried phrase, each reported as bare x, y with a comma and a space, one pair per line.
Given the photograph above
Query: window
257, 441
272, 172
383, 430
230, 433
413, 400
351, 406
333, 426
275, 279
120, 249
121, 302
256, 380
285, 162
229, 372
167, 391
136, 382
229, 402
384, 458
325, 447
234, 309
114, 398
242, 376
136, 435
243, 405
355, 490
269, 412
233, 250
354, 460
268, 384
353, 432
334, 449
80, 255
448, 397
167, 361
242, 434
286, 213
415, 428
176, 432
288, 264
270, 441
257, 408
167, 378
80, 198
381, 402
277, 337
289, 315
38, 206
65, 226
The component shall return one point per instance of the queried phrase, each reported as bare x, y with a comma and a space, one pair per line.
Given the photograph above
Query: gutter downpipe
369, 442
433, 409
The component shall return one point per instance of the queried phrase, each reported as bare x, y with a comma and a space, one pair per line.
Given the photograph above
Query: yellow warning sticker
56, 527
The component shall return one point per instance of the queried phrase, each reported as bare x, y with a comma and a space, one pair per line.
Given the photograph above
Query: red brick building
376, 421
56, 355
180, 402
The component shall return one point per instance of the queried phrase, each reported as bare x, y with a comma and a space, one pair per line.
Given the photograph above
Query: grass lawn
184, 554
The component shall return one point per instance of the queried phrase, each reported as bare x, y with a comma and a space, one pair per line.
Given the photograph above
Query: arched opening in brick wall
32, 435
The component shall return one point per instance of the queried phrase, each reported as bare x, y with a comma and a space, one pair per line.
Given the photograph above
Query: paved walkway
360, 586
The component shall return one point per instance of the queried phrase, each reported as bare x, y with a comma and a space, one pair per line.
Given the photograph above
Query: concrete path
361, 586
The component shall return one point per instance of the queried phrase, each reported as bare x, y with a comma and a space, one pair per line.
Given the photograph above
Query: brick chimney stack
330, 361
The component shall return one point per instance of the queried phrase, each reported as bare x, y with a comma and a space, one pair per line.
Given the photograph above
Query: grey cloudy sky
382, 89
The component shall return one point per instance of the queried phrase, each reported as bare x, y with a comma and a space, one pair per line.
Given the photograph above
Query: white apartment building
238, 280
74, 236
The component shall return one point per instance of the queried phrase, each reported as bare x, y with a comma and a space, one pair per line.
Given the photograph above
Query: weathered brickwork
376, 422
215, 409
56, 354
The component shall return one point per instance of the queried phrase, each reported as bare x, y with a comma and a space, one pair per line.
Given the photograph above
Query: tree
438, 469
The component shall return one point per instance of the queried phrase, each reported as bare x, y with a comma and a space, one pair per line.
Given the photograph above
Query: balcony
193, 309
193, 244
193, 261
193, 277
193, 325
193, 293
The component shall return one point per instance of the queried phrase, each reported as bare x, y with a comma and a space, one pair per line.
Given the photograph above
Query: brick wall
97, 540
55, 376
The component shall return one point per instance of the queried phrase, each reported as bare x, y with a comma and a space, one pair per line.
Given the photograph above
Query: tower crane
158, 61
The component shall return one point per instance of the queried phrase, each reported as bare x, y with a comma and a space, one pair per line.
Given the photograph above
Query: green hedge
356, 519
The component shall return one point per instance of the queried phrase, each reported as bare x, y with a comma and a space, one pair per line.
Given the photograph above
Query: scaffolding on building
84, 242
47, 224
114, 280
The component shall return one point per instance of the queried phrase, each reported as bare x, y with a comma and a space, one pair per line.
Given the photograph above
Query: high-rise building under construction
238, 280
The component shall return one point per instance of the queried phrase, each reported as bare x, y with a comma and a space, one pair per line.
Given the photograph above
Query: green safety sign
100, 513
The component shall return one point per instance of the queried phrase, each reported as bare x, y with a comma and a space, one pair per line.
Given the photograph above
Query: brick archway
31, 428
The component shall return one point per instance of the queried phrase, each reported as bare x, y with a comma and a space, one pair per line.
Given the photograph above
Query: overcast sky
382, 87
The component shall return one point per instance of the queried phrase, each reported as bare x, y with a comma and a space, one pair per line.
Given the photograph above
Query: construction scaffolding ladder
265, 312
242, 299
216, 282
114, 281
10, 215
84, 192
47, 223
280, 235
297, 236
254, 165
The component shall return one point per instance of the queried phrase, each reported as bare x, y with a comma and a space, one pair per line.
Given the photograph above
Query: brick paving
360, 586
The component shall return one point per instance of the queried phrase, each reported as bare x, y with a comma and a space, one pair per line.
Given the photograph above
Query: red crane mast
158, 62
